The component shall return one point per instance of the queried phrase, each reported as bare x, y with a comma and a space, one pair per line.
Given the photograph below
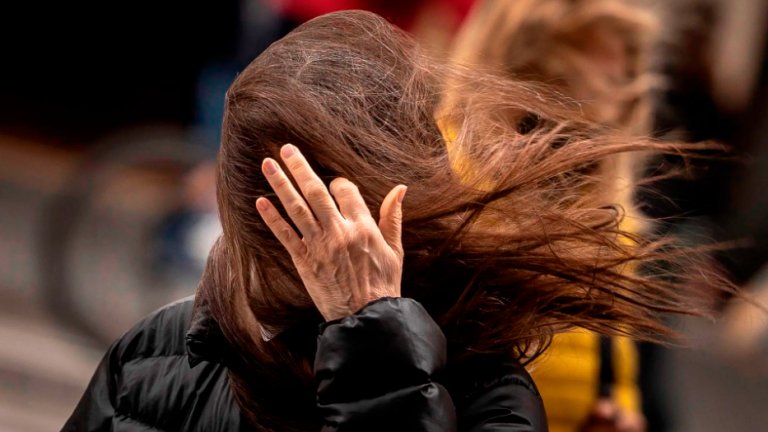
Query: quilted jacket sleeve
95, 410
380, 370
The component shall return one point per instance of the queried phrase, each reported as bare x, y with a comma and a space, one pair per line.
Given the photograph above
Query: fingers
351, 203
293, 202
311, 186
391, 219
280, 228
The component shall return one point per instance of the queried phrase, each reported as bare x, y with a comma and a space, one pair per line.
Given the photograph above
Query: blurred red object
401, 12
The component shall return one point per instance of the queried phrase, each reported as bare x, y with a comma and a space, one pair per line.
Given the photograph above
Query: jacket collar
205, 340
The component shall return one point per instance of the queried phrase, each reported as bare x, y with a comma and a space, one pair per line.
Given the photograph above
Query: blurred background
109, 124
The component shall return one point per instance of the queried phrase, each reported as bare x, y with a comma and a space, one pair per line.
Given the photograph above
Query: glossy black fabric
383, 368
397, 339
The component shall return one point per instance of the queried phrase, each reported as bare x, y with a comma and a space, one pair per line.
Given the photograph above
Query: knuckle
274, 218
334, 228
315, 191
342, 186
340, 238
285, 232
338, 229
296, 164
281, 183
400, 253
396, 217
299, 260
299, 209
347, 189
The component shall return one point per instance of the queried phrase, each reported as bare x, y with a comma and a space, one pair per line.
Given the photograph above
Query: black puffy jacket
374, 370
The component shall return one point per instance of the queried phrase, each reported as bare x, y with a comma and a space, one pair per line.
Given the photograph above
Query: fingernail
269, 167
288, 151
262, 204
402, 195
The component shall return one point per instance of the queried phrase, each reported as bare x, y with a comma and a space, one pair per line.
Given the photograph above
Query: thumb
391, 218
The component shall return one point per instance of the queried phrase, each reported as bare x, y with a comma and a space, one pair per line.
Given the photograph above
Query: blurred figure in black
715, 70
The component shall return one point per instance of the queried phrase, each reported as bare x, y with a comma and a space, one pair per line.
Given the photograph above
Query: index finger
313, 189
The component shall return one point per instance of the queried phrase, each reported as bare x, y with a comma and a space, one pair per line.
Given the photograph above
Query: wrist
355, 304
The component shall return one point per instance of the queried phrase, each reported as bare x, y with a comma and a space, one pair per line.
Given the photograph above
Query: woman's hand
344, 259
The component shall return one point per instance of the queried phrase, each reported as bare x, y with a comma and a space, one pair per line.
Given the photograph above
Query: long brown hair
501, 261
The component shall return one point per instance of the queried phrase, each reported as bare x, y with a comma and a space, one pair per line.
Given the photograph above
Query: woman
454, 299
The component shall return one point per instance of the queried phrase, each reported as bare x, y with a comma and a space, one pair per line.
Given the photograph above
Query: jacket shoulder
145, 382
160, 334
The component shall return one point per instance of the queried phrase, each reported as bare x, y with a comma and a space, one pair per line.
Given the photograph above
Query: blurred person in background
187, 235
740, 87
493, 250
714, 64
598, 53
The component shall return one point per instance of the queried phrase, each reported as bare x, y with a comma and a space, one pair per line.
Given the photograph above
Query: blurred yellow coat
568, 374
568, 377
